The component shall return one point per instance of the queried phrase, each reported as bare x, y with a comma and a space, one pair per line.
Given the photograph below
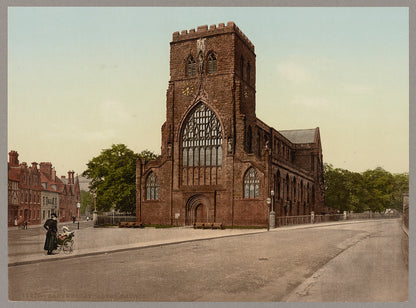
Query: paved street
323, 263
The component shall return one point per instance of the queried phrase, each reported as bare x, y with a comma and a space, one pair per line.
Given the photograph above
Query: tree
374, 190
87, 201
113, 177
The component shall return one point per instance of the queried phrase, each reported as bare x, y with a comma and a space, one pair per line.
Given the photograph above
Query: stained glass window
202, 138
251, 184
152, 187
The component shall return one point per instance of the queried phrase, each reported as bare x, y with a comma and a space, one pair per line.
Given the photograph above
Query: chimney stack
13, 159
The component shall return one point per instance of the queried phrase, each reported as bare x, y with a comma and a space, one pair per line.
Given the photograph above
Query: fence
113, 220
307, 219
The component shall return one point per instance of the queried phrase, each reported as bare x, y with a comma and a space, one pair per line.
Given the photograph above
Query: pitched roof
299, 135
14, 174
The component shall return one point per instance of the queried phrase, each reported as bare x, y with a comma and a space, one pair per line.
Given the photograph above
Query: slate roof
299, 135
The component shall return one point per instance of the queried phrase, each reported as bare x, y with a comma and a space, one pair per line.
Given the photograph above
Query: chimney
53, 174
13, 159
34, 165
69, 177
46, 168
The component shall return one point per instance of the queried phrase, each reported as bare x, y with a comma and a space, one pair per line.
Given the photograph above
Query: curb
286, 228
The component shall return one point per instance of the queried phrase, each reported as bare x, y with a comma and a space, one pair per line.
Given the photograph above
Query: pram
65, 240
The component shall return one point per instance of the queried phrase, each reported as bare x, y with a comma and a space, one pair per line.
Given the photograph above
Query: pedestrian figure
51, 242
73, 219
25, 225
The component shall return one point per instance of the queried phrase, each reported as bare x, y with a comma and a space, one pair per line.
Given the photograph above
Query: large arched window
251, 184
202, 138
152, 187
211, 63
190, 66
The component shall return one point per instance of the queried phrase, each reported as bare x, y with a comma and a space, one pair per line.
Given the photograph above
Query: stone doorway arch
197, 210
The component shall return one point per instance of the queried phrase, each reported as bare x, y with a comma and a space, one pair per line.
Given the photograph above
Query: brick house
69, 196
24, 192
35, 193
219, 162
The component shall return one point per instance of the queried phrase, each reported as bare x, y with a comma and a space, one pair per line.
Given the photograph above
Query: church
219, 162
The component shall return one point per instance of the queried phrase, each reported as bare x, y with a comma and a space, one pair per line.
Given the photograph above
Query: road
289, 265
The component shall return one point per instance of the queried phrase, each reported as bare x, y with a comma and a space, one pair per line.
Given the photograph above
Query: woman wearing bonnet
51, 242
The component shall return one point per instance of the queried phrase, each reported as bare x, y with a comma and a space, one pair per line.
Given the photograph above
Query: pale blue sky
81, 79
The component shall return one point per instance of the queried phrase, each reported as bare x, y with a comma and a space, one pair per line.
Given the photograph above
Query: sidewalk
92, 241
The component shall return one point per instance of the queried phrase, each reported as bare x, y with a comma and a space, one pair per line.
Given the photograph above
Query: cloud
293, 72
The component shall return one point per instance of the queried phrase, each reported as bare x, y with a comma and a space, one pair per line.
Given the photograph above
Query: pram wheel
67, 246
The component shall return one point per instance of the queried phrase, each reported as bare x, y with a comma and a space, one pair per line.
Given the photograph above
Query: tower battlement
204, 31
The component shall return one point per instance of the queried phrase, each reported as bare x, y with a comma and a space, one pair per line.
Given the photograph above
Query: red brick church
219, 162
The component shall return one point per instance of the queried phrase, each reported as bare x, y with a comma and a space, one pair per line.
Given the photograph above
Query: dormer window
211, 63
190, 66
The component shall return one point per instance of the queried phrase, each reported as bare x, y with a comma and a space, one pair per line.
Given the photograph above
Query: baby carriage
65, 240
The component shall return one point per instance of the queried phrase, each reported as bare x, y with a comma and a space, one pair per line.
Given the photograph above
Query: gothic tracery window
251, 184
202, 138
152, 187
211, 63
190, 66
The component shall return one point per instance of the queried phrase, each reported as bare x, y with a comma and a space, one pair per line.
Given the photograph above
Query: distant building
219, 162
69, 196
24, 192
34, 194
50, 195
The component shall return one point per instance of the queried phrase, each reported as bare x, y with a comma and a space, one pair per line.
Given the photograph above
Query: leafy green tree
374, 190
113, 177
87, 201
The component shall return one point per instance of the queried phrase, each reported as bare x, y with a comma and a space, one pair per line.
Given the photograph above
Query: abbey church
219, 162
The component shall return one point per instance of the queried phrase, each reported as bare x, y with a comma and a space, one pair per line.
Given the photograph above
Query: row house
35, 193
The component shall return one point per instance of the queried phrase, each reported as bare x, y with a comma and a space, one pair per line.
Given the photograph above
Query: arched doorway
198, 210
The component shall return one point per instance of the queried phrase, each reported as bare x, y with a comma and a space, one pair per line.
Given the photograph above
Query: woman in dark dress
51, 243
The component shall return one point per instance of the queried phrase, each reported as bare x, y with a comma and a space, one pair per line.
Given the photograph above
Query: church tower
218, 161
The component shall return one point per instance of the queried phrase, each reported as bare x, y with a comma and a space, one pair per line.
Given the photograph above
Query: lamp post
268, 201
272, 214
78, 207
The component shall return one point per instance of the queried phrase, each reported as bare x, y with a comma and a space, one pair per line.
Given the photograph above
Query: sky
82, 79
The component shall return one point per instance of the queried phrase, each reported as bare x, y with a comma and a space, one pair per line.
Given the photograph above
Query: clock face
188, 89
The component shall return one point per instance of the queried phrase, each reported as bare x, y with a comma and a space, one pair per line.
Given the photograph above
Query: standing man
51, 243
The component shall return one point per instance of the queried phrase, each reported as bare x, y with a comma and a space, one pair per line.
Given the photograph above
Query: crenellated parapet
204, 31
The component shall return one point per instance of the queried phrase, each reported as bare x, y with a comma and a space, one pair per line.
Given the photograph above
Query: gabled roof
14, 174
44, 179
300, 135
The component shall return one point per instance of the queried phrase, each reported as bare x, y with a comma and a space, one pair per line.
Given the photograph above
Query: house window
251, 184
212, 63
190, 66
152, 187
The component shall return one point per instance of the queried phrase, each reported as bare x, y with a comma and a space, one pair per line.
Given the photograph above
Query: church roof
299, 135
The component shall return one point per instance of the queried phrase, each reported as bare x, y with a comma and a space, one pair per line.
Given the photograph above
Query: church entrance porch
198, 209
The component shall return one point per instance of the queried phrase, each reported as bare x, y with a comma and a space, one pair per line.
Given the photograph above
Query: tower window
190, 66
251, 184
152, 187
248, 71
242, 67
212, 63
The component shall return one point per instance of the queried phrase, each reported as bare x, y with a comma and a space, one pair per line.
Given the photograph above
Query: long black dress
51, 243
